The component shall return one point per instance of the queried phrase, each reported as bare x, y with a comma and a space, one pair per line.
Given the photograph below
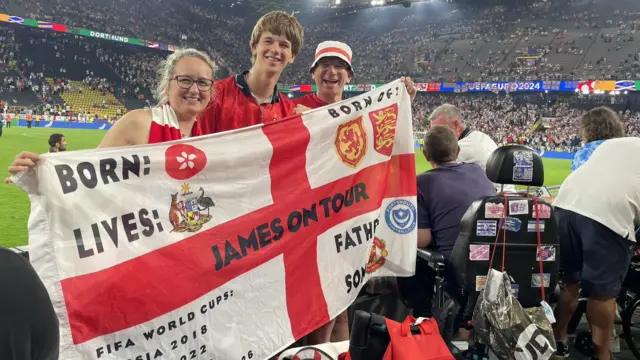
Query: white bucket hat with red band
333, 49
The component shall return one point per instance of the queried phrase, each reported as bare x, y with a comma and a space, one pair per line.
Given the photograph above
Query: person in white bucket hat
332, 70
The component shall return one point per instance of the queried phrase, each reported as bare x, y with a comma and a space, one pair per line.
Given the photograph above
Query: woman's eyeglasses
185, 82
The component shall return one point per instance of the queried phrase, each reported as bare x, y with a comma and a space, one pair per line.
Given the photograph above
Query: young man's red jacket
233, 107
312, 101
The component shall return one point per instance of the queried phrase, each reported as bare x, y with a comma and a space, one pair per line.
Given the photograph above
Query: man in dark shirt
57, 143
444, 195
28, 323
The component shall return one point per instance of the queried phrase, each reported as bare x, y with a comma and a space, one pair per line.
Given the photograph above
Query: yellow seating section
84, 101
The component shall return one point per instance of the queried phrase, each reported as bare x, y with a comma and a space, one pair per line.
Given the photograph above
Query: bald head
448, 115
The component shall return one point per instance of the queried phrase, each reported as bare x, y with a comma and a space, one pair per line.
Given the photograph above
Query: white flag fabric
228, 246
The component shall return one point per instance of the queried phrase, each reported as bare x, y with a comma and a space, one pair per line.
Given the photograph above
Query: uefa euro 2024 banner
228, 246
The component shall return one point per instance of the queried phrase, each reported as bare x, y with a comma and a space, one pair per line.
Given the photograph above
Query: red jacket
233, 107
312, 101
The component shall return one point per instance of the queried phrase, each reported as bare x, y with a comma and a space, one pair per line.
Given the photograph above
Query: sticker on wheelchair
515, 290
536, 283
479, 252
523, 159
519, 207
493, 210
532, 226
511, 224
545, 211
486, 228
522, 174
481, 282
548, 312
548, 253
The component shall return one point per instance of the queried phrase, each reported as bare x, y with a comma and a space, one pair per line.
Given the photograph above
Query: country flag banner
227, 246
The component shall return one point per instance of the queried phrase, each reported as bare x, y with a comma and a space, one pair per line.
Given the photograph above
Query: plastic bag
510, 331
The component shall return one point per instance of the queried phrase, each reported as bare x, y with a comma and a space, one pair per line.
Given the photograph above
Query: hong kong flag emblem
184, 161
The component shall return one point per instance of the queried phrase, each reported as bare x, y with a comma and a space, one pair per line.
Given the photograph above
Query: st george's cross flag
228, 246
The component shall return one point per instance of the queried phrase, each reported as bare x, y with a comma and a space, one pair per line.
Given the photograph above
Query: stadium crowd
456, 46
71, 75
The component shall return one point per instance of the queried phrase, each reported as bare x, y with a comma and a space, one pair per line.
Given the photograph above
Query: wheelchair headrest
515, 165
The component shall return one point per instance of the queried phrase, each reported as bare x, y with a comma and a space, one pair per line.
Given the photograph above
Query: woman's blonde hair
167, 67
601, 123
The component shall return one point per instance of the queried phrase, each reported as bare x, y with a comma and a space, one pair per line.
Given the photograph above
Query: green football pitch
14, 203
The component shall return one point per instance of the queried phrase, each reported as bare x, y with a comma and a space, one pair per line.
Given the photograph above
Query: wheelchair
457, 293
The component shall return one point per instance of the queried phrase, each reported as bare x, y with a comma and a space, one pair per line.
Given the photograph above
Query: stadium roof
262, 6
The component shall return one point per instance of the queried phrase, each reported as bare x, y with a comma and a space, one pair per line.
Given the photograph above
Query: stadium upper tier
430, 42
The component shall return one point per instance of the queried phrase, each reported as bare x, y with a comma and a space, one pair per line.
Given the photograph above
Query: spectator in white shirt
475, 146
598, 208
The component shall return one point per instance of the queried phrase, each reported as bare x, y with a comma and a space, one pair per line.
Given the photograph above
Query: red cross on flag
229, 246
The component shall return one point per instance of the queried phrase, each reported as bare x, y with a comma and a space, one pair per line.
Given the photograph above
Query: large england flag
229, 246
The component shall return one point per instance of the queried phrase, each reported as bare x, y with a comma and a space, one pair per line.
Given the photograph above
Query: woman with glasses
183, 91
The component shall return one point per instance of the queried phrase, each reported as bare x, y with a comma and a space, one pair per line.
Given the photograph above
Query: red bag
407, 345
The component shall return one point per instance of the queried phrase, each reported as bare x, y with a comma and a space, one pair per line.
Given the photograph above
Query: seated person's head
601, 123
448, 115
440, 146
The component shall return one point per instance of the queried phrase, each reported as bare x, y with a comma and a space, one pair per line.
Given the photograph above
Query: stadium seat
471, 254
83, 100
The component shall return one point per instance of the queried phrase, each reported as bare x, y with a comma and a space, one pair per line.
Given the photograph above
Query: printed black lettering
294, 221
540, 347
219, 262
309, 214
361, 192
345, 109
325, 205
356, 105
230, 254
348, 197
108, 170
356, 230
149, 355
146, 222
277, 229
113, 347
334, 114
337, 202
381, 97
348, 241
367, 101
148, 335
96, 235
130, 226
368, 230
82, 252
389, 93
353, 281
130, 167
339, 243
249, 242
355, 236
87, 174
111, 229
172, 325
65, 176
264, 236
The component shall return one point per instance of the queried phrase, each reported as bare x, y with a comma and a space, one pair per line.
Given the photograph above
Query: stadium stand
554, 41
45, 72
